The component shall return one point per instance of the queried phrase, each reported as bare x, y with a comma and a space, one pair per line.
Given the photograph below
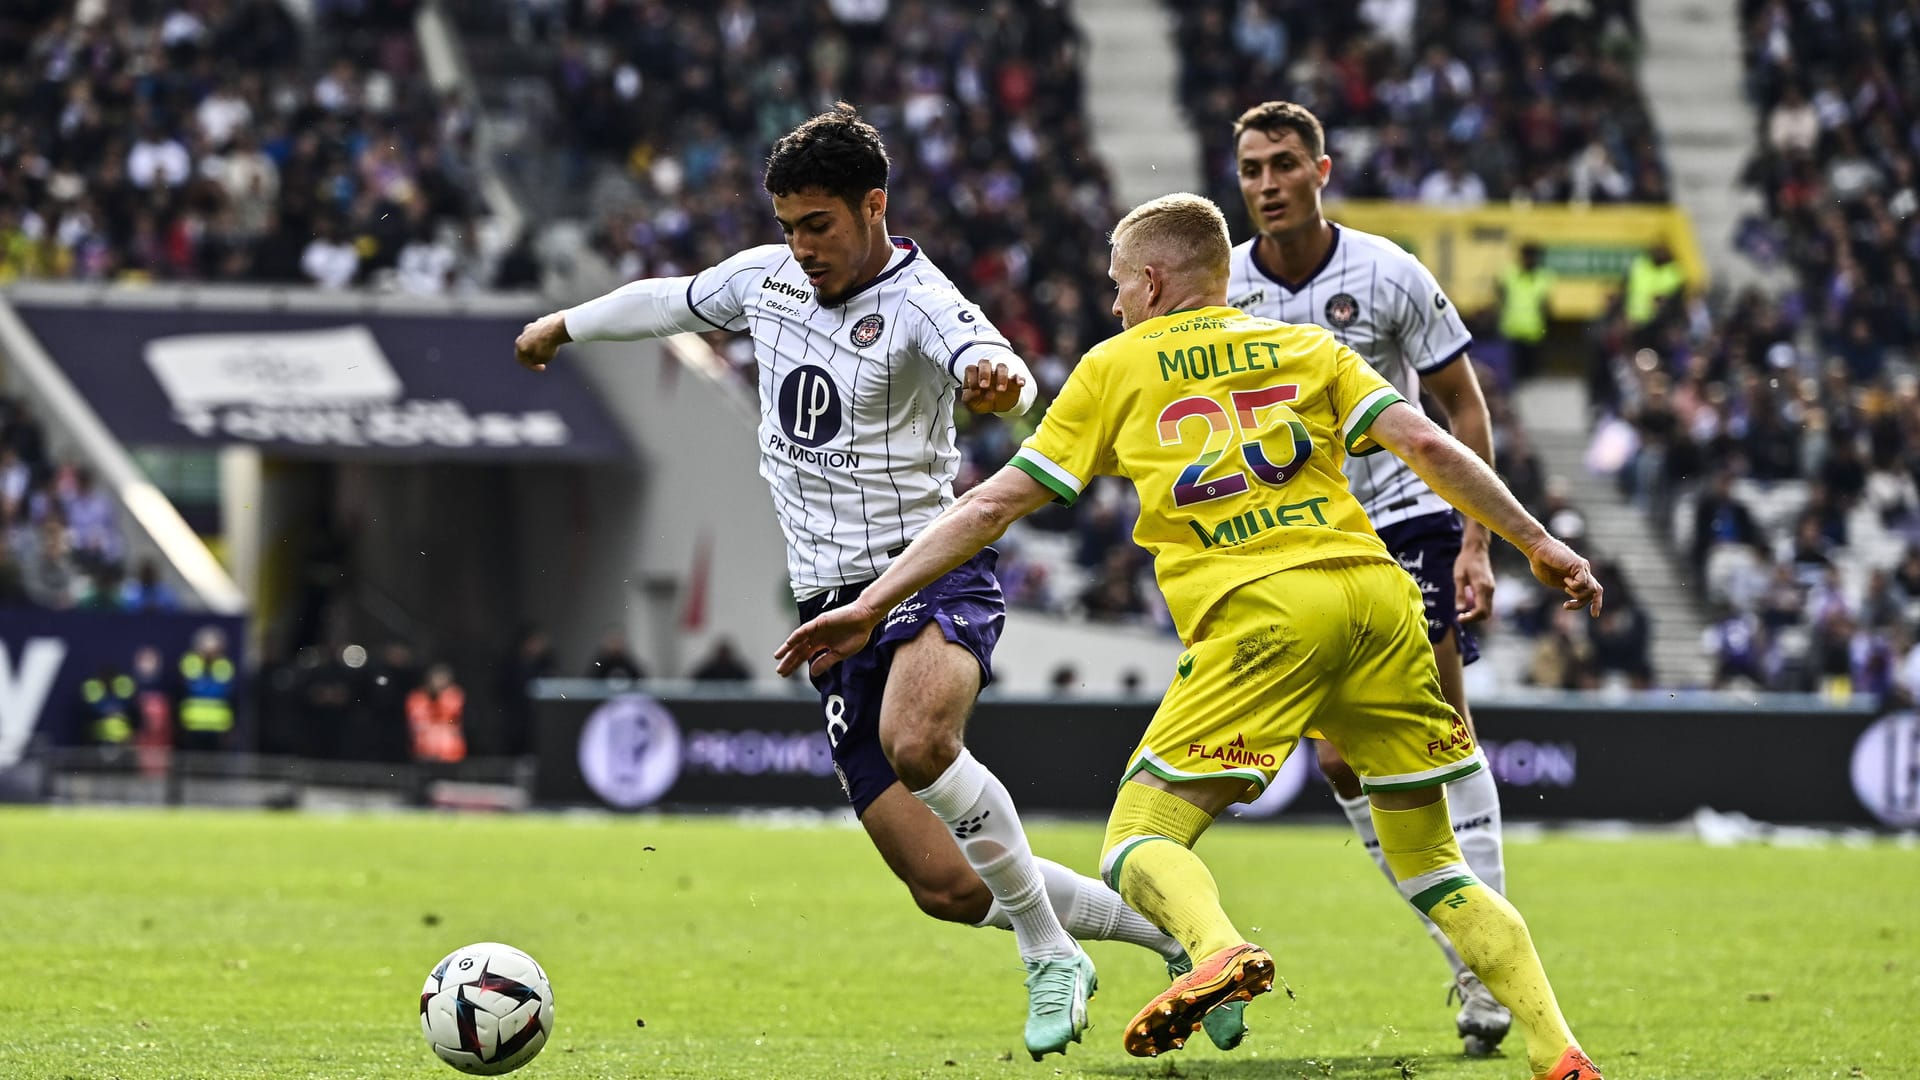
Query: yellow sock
1486, 930
1149, 861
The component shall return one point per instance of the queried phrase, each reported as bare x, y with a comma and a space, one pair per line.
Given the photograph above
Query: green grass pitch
155, 945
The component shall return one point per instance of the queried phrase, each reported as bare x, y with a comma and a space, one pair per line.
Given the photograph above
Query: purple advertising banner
324, 385
46, 655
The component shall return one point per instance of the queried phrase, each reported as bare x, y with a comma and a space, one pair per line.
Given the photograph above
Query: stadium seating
60, 541
1442, 103
1779, 438
224, 141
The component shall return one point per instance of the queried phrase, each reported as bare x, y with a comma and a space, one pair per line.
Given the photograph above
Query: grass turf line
190, 945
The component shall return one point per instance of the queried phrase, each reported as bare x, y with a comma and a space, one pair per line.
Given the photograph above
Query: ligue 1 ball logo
867, 330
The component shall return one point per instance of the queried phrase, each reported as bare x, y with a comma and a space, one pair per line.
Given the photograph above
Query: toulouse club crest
1342, 310
867, 330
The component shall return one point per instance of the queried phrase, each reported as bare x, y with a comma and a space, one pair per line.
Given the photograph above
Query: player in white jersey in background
1379, 301
862, 348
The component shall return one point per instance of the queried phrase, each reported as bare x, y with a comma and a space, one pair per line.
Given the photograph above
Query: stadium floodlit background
285, 528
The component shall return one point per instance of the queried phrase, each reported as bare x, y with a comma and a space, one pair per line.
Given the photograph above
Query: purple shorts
967, 606
1427, 547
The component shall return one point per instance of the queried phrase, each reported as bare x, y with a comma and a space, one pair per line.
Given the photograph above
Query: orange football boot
1573, 1065
1232, 974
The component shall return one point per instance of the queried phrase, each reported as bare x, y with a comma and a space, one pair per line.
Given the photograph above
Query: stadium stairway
1691, 72
1554, 412
1133, 102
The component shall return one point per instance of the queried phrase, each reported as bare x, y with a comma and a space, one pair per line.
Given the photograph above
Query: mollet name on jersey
1240, 528
826, 459
1214, 359
795, 291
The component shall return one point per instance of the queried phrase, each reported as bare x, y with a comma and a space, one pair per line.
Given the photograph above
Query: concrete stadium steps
1691, 73
1554, 413
1132, 70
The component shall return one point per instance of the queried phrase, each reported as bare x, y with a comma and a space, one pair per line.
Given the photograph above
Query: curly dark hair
1274, 117
835, 152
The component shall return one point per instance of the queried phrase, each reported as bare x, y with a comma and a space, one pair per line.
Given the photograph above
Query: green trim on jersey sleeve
1357, 431
1064, 485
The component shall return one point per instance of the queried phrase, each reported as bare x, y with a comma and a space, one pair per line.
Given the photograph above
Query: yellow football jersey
1233, 429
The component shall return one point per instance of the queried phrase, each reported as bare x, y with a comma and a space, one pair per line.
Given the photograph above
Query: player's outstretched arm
998, 383
654, 307
1457, 390
1462, 479
975, 520
540, 339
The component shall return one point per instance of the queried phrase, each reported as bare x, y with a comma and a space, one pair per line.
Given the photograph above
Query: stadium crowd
1777, 440
224, 141
1447, 104
60, 542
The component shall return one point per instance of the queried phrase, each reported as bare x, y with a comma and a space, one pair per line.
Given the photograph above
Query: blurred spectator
1563, 657
1654, 280
435, 712
614, 660
1719, 517
1453, 186
722, 664
1623, 633
1525, 290
328, 261
530, 658
206, 707
1542, 99
107, 698
146, 592
387, 733
1737, 643
193, 141
48, 572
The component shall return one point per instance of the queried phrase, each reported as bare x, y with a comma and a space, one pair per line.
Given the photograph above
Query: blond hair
1184, 235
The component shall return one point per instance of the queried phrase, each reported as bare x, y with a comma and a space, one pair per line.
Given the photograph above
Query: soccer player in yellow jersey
1233, 429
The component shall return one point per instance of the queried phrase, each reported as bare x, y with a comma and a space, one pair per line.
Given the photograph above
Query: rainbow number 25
1255, 413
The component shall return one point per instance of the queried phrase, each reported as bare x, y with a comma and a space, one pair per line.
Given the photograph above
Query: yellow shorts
1337, 650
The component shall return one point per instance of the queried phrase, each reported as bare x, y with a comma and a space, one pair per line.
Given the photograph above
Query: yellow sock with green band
1486, 930
1149, 861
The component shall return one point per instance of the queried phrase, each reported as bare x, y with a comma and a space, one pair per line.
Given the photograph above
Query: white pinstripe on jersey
856, 402
1380, 302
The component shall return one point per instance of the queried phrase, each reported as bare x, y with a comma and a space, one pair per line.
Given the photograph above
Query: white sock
980, 813
1359, 812
1474, 803
1089, 911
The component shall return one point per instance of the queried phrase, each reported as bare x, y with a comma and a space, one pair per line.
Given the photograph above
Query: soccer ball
486, 1009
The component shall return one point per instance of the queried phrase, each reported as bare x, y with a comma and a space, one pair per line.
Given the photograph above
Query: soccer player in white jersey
863, 347
1379, 301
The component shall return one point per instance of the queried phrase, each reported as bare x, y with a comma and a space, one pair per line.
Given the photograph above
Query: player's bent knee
1335, 768
919, 754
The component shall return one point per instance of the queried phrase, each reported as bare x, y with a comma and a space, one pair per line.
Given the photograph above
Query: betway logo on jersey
795, 291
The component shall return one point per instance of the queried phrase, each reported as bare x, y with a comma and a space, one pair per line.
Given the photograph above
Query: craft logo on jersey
810, 410
1343, 310
1247, 301
867, 330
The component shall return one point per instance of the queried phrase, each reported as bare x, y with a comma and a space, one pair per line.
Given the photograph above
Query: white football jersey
856, 402
1381, 303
